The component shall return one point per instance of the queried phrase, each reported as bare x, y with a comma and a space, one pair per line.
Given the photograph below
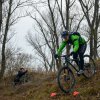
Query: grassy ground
43, 85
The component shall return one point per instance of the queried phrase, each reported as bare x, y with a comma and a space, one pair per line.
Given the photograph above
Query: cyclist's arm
20, 73
76, 45
63, 44
75, 39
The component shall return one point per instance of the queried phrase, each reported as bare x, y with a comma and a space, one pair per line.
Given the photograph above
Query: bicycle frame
67, 61
66, 72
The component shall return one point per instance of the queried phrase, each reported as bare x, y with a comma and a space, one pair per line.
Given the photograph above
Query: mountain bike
66, 78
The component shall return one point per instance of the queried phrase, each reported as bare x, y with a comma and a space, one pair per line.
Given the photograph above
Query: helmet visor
64, 36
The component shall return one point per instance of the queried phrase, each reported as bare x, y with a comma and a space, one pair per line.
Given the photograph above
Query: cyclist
79, 47
20, 73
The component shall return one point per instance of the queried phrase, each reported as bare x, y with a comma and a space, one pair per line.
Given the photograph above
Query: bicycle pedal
68, 78
95, 71
78, 75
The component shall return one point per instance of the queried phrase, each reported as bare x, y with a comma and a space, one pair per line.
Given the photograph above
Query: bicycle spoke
66, 80
89, 66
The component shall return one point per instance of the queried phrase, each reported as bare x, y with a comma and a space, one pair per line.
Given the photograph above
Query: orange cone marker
53, 94
75, 93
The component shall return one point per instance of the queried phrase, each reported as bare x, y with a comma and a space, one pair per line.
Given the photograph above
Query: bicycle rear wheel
89, 66
66, 79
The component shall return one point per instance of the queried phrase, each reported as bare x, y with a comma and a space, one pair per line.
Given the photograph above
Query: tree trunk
58, 63
95, 44
91, 44
67, 22
3, 63
93, 24
0, 14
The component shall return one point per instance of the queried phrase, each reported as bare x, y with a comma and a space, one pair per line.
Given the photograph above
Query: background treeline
50, 18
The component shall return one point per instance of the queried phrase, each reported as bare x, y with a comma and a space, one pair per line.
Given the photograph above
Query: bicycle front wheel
89, 66
66, 79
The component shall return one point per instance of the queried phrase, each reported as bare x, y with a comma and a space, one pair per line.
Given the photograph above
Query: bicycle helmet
64, 34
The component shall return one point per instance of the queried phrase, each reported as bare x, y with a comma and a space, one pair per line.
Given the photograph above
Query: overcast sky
21, 28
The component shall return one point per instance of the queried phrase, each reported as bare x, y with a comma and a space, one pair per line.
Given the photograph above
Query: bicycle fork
66, 75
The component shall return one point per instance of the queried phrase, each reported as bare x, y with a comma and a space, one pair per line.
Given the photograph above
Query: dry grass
43, 85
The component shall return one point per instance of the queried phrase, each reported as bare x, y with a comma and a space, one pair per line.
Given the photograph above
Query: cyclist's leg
81, 62
75, 55
81, 54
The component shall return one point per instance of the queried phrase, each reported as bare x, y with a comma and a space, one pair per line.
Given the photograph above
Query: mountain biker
79, 47
20, 73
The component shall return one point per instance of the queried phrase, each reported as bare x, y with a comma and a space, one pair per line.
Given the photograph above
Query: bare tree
11, 53
16, 60
4, 41
0, 14
38, 47
51, 25
93, 20
1, 3
9, 20
54, 31
54, 24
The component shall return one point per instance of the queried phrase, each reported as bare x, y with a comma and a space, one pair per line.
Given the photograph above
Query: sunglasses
64, 37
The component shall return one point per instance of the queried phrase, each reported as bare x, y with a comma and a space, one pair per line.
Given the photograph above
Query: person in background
20, 73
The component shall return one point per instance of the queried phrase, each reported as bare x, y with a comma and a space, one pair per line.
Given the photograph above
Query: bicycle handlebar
65, 56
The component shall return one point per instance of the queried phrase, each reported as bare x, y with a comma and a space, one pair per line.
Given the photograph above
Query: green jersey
75, 40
